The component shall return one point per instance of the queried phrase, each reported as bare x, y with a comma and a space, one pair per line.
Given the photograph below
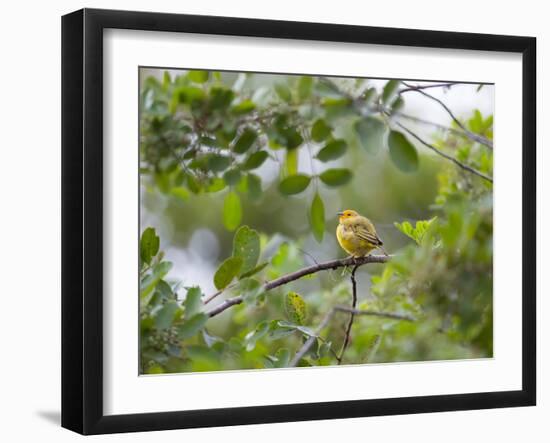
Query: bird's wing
364, 233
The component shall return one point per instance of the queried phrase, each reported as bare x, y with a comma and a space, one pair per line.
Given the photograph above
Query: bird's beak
340, 213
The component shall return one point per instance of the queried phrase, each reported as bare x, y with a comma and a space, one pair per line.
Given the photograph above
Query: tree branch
475, 137
324, 323
352, 315
444, 155
332, 264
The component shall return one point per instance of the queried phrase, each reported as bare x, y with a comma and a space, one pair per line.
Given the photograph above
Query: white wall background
30, 219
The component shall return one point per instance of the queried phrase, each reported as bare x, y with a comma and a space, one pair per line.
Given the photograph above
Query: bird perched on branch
356, 234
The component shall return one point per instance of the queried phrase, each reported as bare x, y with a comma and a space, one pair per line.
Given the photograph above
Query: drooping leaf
295, 308
193, 302
332, 150
192, 326
149, 245
246, 245
390, 91
336, 176
402, 152
317, 217
255, 160
320, 130
370, 132
294, 184
232, 211
227, 271
245, 141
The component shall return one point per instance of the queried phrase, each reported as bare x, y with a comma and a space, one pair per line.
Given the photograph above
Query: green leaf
317, 217
149, 245
295, 308
390, 91
249, 289
294, 184
283, 92
370, 132
192, 326
221, 98
336, 176
255, 160
232, 211
253, 336
320, 130
291, 162
254, 186
245, 141
193, 302
165, 316
257, 269
283, 357
227, 271
218, 163
216, 185
180, 192
244, 107
305, 85
232, 176
198, 76
402, 152
398, 104
333, 150
246, 245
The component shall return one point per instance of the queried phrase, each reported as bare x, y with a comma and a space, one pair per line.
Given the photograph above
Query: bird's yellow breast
351, 243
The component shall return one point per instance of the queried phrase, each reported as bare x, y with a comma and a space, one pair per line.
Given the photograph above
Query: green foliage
317, 217
246, 245
295, 308
370, 132
418, 232
332, 150
232, 211
402, 152
227, 271
206, 142
336, 176
294, 184
148, 245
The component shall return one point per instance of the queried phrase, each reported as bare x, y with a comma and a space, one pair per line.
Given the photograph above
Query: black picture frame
82, 219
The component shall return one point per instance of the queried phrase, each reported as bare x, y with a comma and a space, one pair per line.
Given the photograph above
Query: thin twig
475, 137
283, 280
324, 323
444, 155
351, 316
311, 339
418, 87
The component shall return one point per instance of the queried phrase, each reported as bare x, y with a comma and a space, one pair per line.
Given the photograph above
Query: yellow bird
356, 234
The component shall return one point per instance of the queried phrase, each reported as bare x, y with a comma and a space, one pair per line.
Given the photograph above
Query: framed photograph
269, 221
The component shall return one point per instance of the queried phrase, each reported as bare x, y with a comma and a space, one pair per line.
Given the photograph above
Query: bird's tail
383, 250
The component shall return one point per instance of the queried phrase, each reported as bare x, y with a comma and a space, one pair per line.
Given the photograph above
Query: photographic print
294, 220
